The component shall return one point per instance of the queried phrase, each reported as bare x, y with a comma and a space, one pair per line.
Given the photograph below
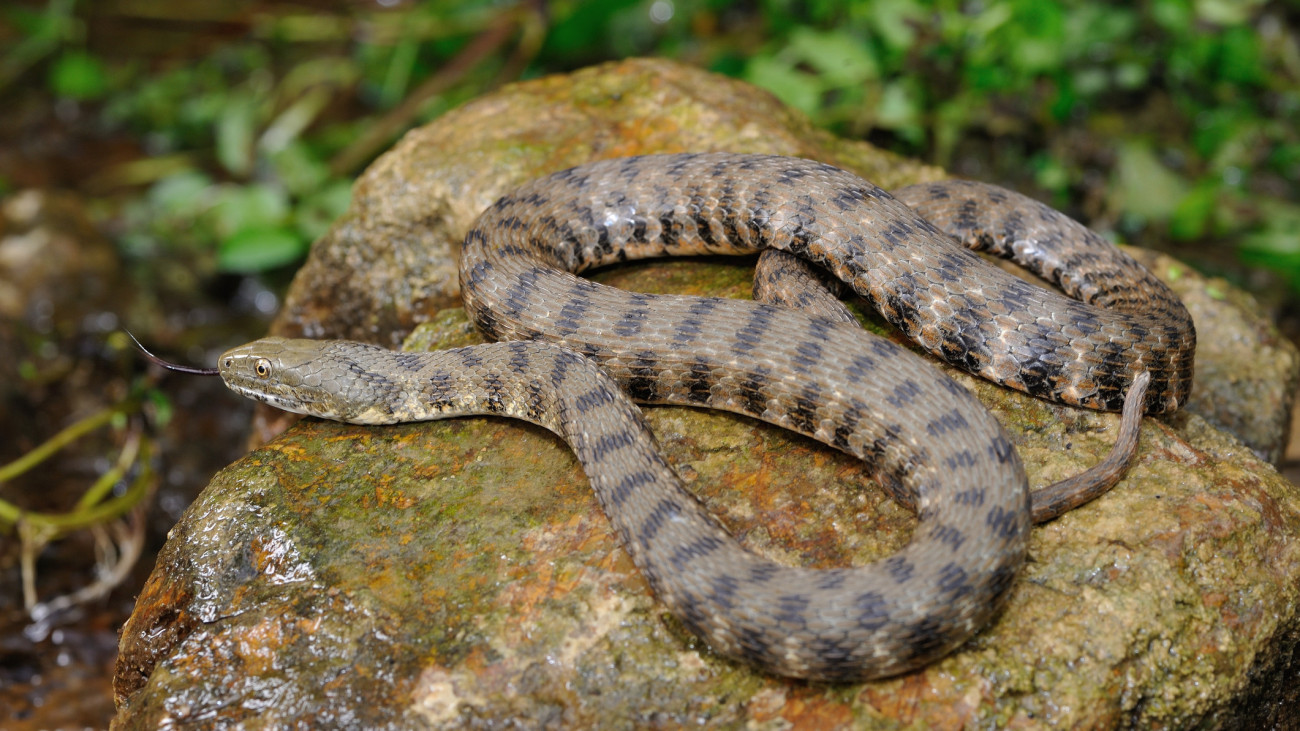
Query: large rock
461, 573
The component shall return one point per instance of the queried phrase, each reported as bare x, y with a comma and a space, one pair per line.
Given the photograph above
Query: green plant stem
70, 434
106, 481
89, 509
84, 517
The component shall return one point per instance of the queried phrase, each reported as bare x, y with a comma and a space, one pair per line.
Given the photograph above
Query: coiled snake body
951, 459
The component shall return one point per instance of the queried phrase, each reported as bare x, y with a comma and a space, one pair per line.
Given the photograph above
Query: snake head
303, 376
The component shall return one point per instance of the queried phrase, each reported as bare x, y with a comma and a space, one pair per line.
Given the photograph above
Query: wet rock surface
461, 573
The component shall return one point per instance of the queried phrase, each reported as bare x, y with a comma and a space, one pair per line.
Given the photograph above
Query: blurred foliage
253, 180
1159, 119
1185, 108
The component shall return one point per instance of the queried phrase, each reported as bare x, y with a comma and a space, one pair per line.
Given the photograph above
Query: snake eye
262, 368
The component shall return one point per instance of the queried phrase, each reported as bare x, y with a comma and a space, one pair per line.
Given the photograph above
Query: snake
573, 356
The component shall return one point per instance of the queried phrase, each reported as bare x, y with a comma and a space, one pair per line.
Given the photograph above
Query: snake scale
946, 456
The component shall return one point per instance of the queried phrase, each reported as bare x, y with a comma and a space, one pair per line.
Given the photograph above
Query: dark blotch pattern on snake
950, 459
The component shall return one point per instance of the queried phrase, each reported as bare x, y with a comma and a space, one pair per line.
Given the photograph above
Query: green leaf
898, 108
840, 58
1039, 42
1226, 12
78, 75
235, 131
1175, 16
40, 34
795, 88
1214, 127
1050, 174
895, 21
572, 32
288, 126
182, 195
1191, 217
1281, 236
1239, 53
992, 18
299, 169
1038, 54
400, 68
161, 405
1286, 159
1277, 246
1130, 75
250, 207
1143, 186
259, 249
1090, 81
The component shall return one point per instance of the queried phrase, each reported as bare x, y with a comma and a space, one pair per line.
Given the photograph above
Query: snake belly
944, 454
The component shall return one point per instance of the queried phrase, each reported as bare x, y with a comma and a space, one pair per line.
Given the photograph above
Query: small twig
532, 35
33, 538
117, 559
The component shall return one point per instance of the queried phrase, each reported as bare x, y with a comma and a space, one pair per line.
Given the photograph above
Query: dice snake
571, 352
